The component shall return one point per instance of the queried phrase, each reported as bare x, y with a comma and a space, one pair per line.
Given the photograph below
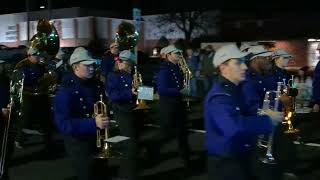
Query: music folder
145, 93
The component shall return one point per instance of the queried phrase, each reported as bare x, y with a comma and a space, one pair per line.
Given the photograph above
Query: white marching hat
80, 54
127, 55
281, 53
259, 51
227, 52
170, 49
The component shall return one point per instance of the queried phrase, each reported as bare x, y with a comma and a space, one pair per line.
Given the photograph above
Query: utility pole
28, 19
49, 9
136, 14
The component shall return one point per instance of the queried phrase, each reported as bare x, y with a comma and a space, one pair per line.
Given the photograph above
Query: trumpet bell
142, 106
108, 153
291, 129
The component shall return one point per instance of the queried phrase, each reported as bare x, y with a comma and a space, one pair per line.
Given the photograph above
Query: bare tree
192, 24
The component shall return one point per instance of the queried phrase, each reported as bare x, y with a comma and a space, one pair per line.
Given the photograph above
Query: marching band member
259, 80
172, 109
73, 111
316, 87
283, 146
35, 106
122, 95
109, 59
280, 61
255, 85
231, 132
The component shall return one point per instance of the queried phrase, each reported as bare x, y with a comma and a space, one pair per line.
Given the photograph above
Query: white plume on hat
227, 52
80, 54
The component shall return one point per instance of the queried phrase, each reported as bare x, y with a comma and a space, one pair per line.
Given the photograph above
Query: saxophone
187, 77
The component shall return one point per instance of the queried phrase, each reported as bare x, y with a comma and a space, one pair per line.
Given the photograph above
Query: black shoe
186, 163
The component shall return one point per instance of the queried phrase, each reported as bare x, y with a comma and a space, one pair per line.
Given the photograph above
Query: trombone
106, 151
5, 140
16, 91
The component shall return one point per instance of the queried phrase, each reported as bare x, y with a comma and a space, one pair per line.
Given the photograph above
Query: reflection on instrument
16, 89
46, 40
17, 86
137, 81
47, 43
286, 95
46, 84
126, 36
106, 151
289, 101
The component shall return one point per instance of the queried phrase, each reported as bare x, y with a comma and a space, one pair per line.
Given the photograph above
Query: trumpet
106, 151
267, 104
287, 98
137, 81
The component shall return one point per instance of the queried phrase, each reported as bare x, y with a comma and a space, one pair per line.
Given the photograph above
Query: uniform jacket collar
227, 86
